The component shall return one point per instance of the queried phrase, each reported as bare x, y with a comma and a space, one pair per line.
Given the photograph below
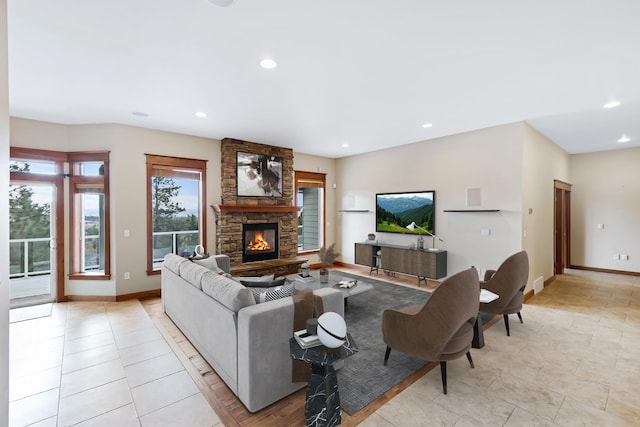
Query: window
175, 207
310, 198
89, 207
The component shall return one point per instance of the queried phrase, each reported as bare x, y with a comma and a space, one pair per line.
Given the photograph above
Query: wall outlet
485, 231
624, 257
616, 257
126, 233
126, 275
601, 226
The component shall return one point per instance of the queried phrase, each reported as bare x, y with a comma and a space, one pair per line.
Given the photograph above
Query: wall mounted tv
394, 211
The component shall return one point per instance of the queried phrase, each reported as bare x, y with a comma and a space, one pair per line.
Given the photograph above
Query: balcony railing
29, 257
176, 242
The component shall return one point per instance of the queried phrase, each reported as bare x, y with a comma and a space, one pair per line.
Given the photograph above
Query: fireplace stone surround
235, 211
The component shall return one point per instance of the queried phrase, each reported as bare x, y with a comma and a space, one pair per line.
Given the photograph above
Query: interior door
32, 243
562, 220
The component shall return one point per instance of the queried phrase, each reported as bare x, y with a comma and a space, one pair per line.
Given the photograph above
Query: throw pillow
261, 295
210, 263
266, 284
267, 278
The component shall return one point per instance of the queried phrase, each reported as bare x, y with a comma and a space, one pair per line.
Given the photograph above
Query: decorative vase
324, 275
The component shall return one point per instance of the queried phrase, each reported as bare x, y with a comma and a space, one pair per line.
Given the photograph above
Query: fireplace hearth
260, 241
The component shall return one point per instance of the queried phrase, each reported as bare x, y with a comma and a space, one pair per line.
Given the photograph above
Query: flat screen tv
394, 211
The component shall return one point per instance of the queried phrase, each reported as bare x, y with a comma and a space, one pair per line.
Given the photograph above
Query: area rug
28, 313
363, 378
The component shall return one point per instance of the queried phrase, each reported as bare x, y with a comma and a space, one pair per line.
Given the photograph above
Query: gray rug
363, 377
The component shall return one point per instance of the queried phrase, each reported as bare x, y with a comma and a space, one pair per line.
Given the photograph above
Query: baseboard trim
91, 298
154, 293
605, 270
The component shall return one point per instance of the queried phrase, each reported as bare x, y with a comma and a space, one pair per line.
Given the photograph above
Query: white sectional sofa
247, 344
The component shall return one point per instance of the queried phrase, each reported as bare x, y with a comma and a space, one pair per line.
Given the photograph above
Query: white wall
606, 190
543, 162
488, 158
128, 146
4, 219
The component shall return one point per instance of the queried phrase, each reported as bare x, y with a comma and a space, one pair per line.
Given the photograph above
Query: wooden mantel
254, 208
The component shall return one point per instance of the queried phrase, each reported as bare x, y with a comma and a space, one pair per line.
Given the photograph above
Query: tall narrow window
176, 209
89, 206
310, 198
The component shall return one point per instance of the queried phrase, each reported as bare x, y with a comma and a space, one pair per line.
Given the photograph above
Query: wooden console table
416, 262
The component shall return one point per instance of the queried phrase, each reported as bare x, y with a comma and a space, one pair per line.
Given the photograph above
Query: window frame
75, 183
321, 180
154, 162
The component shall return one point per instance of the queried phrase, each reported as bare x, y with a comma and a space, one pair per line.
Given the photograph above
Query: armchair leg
506, 323
443, 372
520, 317
469, 359
386, 355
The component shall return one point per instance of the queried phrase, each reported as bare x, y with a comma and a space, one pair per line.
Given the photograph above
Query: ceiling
366, 73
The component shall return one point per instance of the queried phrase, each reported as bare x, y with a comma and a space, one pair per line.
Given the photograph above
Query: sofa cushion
193, 273
261, 295
263, 284
226, 291
173, 262
210, 263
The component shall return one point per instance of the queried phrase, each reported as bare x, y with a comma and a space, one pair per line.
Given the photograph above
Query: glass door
32, 243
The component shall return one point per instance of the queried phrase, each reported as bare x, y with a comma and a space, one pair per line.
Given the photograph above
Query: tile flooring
99, 364
575, 361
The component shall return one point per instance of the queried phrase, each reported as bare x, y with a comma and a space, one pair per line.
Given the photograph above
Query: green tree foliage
27, 218
164, 203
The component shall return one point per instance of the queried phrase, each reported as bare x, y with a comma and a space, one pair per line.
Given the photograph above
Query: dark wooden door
562, 225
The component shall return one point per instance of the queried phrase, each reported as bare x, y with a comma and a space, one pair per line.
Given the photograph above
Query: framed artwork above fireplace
259, 175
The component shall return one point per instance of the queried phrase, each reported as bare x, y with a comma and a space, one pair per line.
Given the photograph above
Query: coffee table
334, 278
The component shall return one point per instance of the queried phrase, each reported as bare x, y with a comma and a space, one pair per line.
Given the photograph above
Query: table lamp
413, 226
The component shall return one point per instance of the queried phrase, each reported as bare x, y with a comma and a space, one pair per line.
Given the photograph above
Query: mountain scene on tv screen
393, 214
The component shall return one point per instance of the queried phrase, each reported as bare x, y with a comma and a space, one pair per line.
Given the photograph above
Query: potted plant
327, 257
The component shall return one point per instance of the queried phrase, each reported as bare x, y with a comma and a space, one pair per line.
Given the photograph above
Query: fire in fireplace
259, 241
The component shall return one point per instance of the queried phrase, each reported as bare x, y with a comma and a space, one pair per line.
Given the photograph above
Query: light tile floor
99, 364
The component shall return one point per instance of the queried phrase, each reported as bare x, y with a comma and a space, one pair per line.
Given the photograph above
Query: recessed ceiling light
201, 114
222, 3
624, 139
268, 64
427, 125
140, 114
612, 104
345, 145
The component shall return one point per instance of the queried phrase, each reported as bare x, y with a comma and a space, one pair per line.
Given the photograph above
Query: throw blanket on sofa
305, 306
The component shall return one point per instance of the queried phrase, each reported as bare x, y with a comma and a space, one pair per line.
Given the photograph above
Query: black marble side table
322, 408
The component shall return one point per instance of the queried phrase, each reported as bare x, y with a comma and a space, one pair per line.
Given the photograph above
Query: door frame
561, 226
58, 181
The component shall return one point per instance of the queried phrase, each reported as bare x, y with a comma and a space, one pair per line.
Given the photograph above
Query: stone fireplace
236, 212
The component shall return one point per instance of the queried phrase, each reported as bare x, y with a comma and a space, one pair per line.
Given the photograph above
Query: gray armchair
440, 329
508, 282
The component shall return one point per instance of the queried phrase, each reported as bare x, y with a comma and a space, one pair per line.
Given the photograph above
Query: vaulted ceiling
364, 73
